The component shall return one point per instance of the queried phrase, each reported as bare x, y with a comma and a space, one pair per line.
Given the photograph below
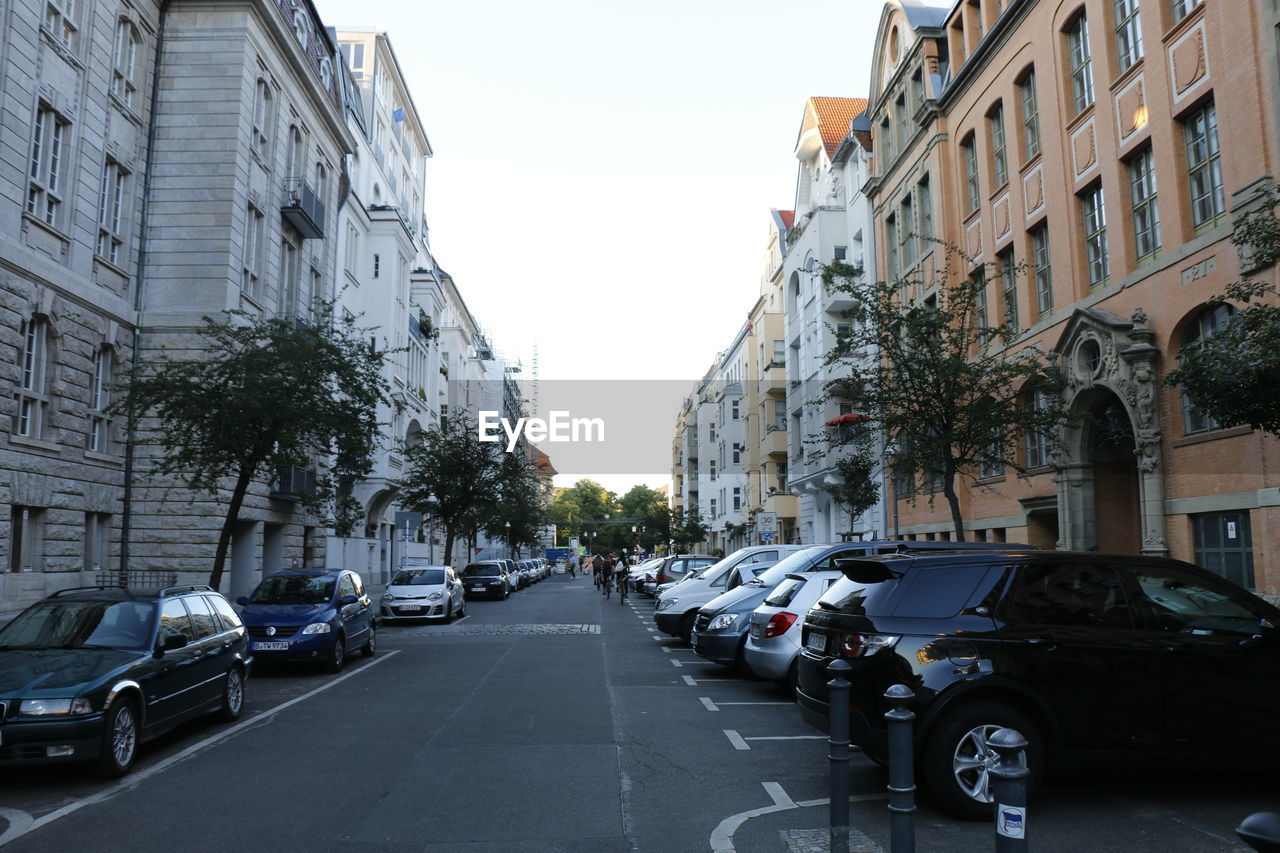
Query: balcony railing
303, 209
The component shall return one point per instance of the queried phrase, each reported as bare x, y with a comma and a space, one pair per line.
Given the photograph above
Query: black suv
90, 673
1085, 654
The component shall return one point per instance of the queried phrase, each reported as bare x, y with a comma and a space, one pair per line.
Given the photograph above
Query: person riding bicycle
606, 576
624, 584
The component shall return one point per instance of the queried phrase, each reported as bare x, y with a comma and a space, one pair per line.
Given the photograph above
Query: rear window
936, 593
784, 592
480, 570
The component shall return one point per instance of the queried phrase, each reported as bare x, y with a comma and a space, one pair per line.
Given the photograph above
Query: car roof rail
190, 587
59, 592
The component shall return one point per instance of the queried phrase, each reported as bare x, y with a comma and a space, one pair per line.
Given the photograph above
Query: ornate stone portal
1101, 352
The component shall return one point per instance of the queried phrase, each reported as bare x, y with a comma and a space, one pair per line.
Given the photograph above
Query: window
1095, 235
1210, 322
352, 249
26, 538
734, 410
97, 527
714, 514
903, 477
907, 217
287, 297
124, 73
1081, 63
713, 430
302, 28
1146, 216
1037, 441
840, 253
1204, 171
991, 463
999, 162
737, 498
1223, 545
1128, 33
377, 265
891, 246
202, 618
1041, 270
111, 201
973, 191
261, 134
981, 321
1182, 8
737, 453
780, 353
1185, 604
174, 621
1030, 114
1068, 595
322, 183
251, 275
713, 469
295, 155
52, 134
926, 215
100, 401
1009, 290
780, 415
32, 396
60, 21
782, 476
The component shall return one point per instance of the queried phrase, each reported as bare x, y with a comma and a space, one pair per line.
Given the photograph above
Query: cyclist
624, 579
606, 577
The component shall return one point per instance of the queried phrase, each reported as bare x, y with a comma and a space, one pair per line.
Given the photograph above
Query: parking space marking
722, 836
694, 682
736, 739
740, 743
715, 706
675, 662
707, 703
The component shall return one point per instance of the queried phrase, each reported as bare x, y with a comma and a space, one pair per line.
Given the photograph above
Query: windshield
797, 562
480, 570
294, 589
79, 624
418, 577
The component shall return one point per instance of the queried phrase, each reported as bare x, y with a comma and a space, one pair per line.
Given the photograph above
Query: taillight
778, 624
864, 645
662, 578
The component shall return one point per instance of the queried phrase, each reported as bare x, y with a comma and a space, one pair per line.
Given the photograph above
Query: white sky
603, 172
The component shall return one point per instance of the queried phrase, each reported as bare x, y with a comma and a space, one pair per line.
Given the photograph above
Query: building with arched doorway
1095, 156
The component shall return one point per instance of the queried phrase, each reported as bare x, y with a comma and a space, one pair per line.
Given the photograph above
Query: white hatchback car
423, 592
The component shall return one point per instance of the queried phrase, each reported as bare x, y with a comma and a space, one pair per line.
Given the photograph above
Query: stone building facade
1092, 157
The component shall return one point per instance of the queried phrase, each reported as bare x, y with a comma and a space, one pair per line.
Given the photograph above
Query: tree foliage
256, 397
650, 507
518, 512
584, 501
1231, 375
687, 528
948, 388
859, 486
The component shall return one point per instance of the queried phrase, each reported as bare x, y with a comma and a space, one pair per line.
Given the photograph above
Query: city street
554, 721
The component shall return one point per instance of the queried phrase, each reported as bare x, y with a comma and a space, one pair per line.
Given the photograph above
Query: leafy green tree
650, 507
688, 529
462, 472
257, 397
950, 388
519, 512
859, 487
584, 501
1231, 375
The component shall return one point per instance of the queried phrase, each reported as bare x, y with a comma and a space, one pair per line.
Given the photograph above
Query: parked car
488, 577
676, 567
720, 630
677, 607
1083, 653
88, 674
515, 575
423, 592
643, 574
316, 615
773, 632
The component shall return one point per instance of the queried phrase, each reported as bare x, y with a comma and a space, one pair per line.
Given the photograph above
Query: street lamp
507, 529
431, 502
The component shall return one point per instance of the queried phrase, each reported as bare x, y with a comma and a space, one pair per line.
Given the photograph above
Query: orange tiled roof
788, 217
833, 116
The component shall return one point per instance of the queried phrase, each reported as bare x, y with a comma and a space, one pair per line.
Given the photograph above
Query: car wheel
463, 612
792, 682
337, 655
448, 613
371, 645
957, 759
232, 696
119, 740
685, 628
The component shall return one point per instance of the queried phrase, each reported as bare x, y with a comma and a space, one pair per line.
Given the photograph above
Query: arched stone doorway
1110, 477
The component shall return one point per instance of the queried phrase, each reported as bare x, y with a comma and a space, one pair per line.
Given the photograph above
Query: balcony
784, 504
303, 209
773, 382
775, 443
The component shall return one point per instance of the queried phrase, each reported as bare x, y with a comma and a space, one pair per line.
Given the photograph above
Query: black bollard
902, 787
1261, 831
1009, 791
838, 709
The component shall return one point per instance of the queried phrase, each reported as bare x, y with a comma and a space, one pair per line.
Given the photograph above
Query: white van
677, 607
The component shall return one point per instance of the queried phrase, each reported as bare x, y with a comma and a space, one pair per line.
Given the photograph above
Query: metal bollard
1009, 791
1261, 831
838, 710
902, 787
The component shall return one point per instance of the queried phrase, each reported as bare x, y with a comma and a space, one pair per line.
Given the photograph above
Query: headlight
316, 628
49, 707
667, 603
724, 620
435, 596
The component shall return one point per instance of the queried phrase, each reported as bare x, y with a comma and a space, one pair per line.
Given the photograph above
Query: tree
584, 501
462, 472
259, 397
1231, 374
687, 528
519, 511
858, 489
650, 507
947, 387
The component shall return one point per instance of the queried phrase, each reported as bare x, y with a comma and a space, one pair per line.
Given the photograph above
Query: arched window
262, 118
1210, 321
302, 28
295, 164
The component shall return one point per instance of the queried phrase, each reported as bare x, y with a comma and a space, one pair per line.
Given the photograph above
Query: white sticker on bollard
1012, 821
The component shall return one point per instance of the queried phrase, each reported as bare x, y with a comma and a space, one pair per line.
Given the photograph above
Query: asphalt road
554, 722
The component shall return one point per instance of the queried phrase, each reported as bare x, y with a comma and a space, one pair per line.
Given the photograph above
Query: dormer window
302, 28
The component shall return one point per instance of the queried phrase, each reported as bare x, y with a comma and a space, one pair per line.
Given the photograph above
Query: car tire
370, 647
956, 759
448, 613
463, 611
337, 655
685, 628
232, 696
119, 739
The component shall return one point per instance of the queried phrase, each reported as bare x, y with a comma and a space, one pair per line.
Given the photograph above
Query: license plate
817, 642
408, 607
477, 589
276, 646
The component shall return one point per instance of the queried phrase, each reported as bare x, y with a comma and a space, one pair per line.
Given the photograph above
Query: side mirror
347, 599
243, 601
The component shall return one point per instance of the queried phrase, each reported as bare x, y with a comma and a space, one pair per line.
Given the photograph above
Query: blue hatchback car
316, 615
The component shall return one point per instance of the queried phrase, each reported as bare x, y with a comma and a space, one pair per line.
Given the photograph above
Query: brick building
1091, 157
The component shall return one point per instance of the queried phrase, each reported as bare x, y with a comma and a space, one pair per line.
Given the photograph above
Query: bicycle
623, 590
607, 583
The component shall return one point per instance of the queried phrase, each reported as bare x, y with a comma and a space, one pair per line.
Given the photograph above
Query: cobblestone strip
498, 630
819, 841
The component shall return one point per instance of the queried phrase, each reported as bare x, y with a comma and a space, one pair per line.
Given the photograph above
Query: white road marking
667, 650
135, 779
736, 739
789, 737
675, 662
19, 823
788, 704
694, 682
707, 703
722, 836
